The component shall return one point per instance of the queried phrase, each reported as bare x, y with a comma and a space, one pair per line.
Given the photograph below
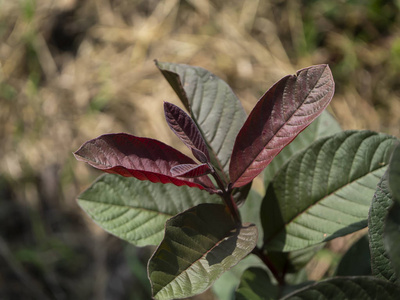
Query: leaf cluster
204, 217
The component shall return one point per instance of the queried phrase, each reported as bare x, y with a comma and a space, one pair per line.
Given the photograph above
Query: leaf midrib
208, 143
127, 207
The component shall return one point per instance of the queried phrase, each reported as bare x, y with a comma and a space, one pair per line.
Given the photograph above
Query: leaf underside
136, 211
190, 171
199, 245
324, 191
142, 158
212, 105
286, 109
381, 202
186, 130
358, 287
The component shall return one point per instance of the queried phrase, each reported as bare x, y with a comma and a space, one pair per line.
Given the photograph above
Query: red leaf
185, 129
280, 115
190, 170
142, 158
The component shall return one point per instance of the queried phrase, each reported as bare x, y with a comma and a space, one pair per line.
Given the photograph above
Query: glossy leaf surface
357, 287
185, 128
324, 191
324, 125
136, 211
142, 158
199, 245
212, 105
381, 202
286, 109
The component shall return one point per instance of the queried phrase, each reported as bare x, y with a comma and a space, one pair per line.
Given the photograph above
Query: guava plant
202, 214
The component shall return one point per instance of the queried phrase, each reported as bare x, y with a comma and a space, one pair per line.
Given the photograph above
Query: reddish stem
278, 276
227, 196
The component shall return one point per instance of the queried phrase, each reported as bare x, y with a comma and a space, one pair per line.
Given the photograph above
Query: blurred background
71, 70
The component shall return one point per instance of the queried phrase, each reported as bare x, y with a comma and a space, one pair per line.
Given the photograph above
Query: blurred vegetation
71, 70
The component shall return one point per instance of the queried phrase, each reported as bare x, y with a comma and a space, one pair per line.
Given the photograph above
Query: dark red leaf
280, 115
190, 170
185, 128
142, 158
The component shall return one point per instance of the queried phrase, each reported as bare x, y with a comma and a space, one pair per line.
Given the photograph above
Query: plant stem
278, 276
233, 208
227, 196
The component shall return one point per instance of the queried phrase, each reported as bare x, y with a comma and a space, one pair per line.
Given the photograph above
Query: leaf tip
167, 105
78, 154
320, 66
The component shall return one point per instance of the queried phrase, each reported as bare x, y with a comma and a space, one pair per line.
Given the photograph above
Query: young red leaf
142, 158
286, 109
190, 171
185, 128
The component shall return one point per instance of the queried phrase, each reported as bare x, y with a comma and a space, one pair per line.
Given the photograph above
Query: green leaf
224, 288
250, 211
290, 261
323, 126
295, 282
394, 174
212, 105
357, 287
324, 191
300, 258
135, 210
294, 261
357, 260
392, 238
381, 202
256, 284
392, 224
199, 245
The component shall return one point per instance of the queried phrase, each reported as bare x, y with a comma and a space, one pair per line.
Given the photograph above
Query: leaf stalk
226, 194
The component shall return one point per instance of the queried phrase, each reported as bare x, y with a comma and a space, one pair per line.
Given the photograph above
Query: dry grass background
71, 70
